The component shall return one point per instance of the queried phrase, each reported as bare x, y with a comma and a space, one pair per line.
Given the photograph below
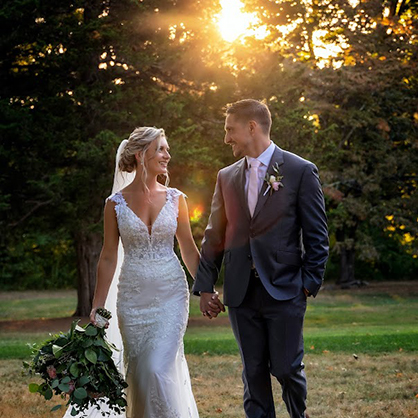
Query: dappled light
324, 51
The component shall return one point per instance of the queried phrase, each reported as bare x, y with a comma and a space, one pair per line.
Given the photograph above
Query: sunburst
234, 23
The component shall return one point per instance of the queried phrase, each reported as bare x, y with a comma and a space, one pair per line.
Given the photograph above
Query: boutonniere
274, 182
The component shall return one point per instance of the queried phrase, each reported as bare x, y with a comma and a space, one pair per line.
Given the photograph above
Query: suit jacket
286, 240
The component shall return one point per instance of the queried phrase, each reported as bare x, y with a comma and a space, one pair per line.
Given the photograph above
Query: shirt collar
264, 157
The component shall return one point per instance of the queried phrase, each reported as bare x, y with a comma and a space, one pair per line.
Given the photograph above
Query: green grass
344, 321
36, 304
213, 341
338, 322
336, 311
16, 345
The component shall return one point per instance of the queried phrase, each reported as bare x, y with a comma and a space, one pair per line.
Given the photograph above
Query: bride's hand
93, 317
216, 304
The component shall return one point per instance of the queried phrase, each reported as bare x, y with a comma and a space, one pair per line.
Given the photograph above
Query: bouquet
79, 365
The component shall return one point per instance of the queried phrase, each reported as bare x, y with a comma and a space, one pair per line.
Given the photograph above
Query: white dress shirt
264, 159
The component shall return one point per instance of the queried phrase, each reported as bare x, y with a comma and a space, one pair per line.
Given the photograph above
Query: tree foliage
79, 76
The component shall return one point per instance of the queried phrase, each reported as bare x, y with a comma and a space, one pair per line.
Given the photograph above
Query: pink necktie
253, 186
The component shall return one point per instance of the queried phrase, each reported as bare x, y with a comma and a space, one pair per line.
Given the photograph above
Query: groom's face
238, 136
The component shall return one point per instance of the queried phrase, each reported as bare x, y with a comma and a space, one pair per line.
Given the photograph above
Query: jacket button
249, 257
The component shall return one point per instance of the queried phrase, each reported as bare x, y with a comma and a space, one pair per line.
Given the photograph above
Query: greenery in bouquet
78, 365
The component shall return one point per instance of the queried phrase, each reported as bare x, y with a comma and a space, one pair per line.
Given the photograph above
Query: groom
268, 226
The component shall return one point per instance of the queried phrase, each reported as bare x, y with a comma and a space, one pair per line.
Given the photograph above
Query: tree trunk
346, 238
347, 276
88, 247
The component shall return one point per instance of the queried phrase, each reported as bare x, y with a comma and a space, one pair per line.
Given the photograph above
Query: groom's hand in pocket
210, 305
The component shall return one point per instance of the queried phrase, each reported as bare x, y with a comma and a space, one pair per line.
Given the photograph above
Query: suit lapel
263, 196
239, 179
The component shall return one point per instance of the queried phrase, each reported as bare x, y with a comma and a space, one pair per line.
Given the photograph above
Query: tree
77, 79
342, 86
368, 132
79, 76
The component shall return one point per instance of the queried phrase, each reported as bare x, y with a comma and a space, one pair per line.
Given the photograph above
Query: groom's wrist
199, 292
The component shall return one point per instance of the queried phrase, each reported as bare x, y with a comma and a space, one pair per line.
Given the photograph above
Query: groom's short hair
250, 109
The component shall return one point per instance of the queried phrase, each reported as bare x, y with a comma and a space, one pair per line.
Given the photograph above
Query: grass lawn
373, 320
377, 324
37, 304
339, 387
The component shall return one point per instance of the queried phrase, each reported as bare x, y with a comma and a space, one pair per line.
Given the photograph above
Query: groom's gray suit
269, 259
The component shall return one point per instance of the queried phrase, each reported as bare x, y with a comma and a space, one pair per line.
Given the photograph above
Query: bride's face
157, 157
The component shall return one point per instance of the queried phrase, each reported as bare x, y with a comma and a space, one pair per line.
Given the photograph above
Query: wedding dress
150, 294
152, 307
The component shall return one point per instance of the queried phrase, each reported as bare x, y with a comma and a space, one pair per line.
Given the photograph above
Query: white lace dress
152, 308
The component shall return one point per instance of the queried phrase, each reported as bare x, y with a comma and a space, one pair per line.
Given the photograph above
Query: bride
152, 292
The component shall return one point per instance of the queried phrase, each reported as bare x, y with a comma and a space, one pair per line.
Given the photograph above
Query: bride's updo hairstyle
139, 141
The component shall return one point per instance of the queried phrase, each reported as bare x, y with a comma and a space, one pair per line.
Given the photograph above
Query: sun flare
196, 214
234, 23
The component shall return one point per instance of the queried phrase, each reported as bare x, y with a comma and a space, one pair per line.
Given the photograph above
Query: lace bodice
138, 242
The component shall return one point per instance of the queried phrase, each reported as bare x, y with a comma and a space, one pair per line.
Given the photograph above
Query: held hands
210, 305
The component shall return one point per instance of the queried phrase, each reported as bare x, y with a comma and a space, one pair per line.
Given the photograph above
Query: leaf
57, 350
55, 383
73, 327
121, 402
56, 407
91, 331
103, 356
61, 368
75, 370
79, 329
100, 342
48, 394
111, 346
33, 387
87, 343
83, 380
74, 412
80, 393
62, 341
66, 379
64, 387
91, 355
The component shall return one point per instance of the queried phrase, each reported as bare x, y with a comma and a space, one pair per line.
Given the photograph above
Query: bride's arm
108, 259
189, 252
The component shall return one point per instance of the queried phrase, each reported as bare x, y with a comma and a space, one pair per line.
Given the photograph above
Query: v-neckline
148, 228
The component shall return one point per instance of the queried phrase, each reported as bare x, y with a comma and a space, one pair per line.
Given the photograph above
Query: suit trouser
269, 335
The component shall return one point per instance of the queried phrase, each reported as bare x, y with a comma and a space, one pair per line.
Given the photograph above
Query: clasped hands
210, 305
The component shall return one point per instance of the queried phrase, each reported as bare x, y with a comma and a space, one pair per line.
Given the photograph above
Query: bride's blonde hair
138, 142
